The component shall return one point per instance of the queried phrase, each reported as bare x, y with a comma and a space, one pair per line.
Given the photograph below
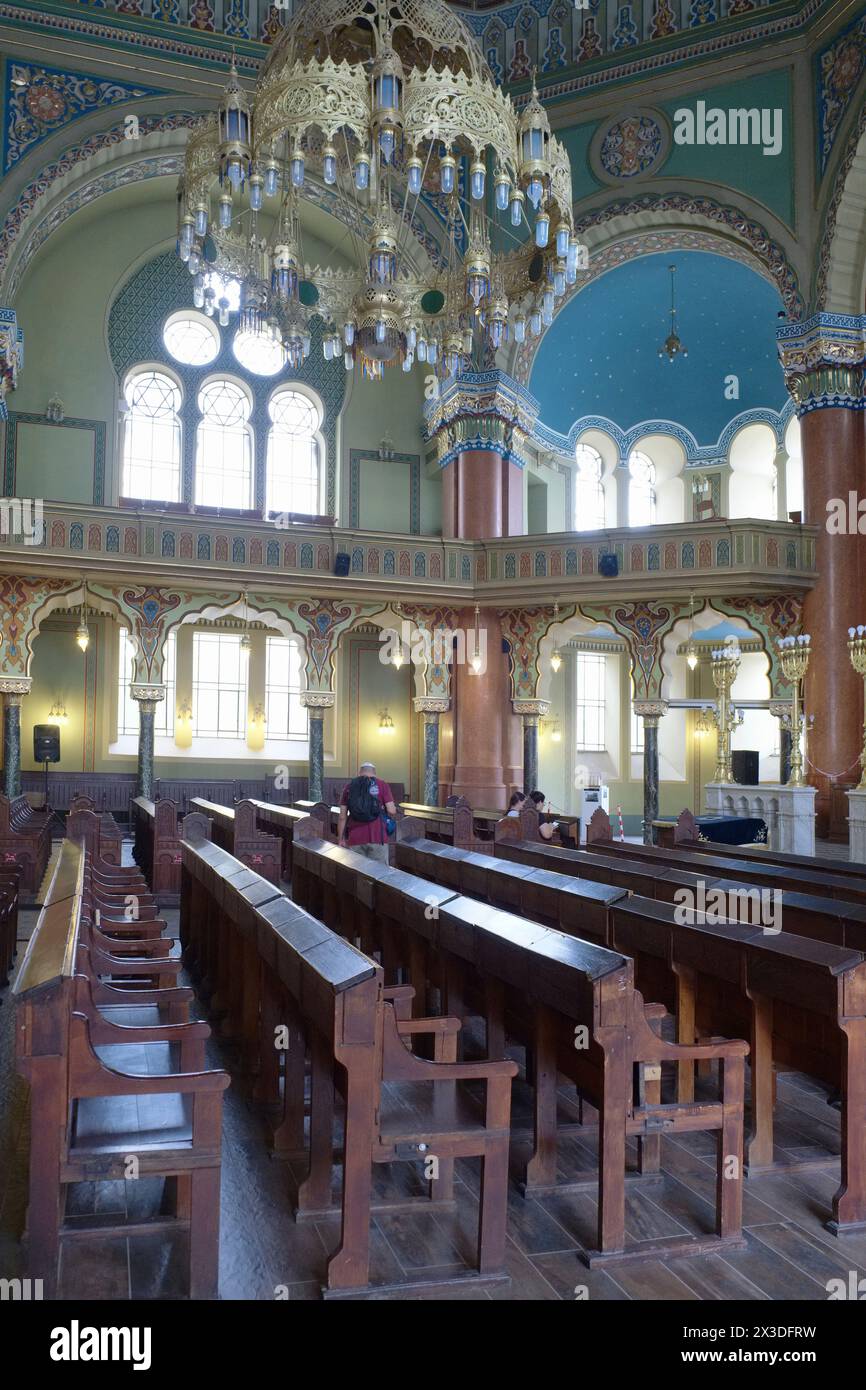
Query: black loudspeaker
46, 743
341, 565
608, 566
744, 762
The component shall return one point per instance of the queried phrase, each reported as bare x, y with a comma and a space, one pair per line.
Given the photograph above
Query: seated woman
546, 828
516, 805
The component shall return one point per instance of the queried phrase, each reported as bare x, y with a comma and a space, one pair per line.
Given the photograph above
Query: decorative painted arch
840, 270
718, 228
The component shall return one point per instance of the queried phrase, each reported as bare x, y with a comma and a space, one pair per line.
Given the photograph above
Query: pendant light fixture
82, 632
246, 640
691, 648
476, 662
556, 654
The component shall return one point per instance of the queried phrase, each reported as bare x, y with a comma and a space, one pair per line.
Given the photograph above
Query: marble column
478, 773
650, 711
316, 703
481, 424
13, 689
779, 708
432, 710
148, 697
823, 358
531, 711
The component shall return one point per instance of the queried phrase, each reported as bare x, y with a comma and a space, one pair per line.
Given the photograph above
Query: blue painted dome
600, 357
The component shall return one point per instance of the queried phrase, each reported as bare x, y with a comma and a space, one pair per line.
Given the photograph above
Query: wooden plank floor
265, 1255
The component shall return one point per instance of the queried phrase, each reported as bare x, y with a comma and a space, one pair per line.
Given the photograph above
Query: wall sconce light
386, 724
476, 661
184, 713
57, 713
553, 727
259, 717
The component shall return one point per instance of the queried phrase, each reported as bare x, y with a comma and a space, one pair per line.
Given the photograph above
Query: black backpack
363, 807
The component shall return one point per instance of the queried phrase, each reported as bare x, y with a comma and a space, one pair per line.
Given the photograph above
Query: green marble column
12, 690
651, 711
147, 697
316, 790
316, 702
432, 708
530, 753
12, 745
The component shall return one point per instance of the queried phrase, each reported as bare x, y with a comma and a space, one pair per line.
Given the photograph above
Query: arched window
224, 452
588, 490
151, 437
192, 339
293, 454
641, 490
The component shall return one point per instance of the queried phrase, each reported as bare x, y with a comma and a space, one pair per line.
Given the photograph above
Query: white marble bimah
788, 811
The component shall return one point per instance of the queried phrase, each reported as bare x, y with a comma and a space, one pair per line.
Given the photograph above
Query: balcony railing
717, 555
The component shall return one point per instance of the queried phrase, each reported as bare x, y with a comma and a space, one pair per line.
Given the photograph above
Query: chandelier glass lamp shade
457, 210
556, 654
82, 632
672, 347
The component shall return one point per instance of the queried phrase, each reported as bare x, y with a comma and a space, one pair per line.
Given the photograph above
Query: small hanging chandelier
691, 648
476, 661
246, 640
672, 346
556, 654
386, 724
82, 632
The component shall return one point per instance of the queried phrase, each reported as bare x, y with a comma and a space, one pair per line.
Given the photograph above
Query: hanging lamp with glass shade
82, 632
386, 724
246, 640
691, 648
556, 654
475, 661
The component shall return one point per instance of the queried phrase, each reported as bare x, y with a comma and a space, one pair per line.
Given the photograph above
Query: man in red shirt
367, 837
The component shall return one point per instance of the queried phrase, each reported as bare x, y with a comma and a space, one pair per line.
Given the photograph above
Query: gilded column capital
318, 699
147, 694
431, 706
650, 711
532, 709
15, 688
824, 361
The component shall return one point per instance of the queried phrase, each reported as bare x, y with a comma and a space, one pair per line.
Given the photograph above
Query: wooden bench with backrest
25, 841
280, 821
110, 833
686, 834
337, 1011
570, 1002
9, 890
157, 829
801, 1002
235, 829
820, 879
87, 1114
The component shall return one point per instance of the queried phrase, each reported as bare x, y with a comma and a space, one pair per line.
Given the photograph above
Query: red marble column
834, 464
478, 774
482, 497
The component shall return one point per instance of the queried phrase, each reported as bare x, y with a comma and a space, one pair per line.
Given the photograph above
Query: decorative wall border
359, 456
97, 427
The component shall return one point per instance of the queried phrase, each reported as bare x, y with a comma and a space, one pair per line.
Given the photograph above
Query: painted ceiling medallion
633, 146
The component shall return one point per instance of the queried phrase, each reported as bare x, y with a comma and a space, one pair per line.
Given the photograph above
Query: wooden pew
294, 971
802, 1003
25, 842
686, 834
110, 834
157, 830
235, 829
821, 879
572, 1003
82, 1126
9, 893
280, 821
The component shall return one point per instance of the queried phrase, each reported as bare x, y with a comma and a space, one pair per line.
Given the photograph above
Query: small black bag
363, 806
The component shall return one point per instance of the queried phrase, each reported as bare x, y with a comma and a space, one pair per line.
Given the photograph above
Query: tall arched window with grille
641, 490
294, 454
588, 490
151, 437
224, 446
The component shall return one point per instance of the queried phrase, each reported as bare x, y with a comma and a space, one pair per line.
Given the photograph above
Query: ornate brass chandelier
385, 105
